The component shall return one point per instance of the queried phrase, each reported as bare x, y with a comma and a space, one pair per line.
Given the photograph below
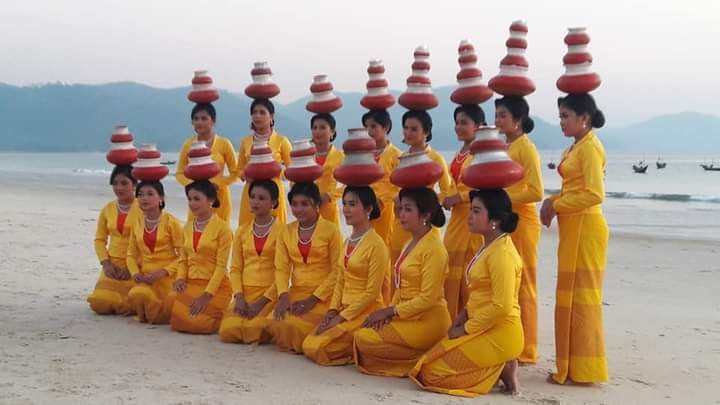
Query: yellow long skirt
236, 329
110, 297
394, 349
526, 238
280, 213
469, 365
579, 341
290, 332
461, 246
334, 347
208, 321
153, 303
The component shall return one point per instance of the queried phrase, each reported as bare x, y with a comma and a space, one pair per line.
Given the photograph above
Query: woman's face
413, 133
465, 127
304, 208
261, 117
409, 215
376, 131
202, 122
321, 132
504, 121
149, 199
123, 188
478, 221
353, 210
261, 202
200, 205
571, 123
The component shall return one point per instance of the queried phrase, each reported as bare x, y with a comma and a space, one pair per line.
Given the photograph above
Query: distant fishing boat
660, 164
710, 167
640, 167
551, 165
168, 162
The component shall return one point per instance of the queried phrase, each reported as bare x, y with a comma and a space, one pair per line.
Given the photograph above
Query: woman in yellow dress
203, 122
512, 119
358, 287
252, 270
323, 134
111, 242
262, 112
417, 133
394, 338
203, 291
461, 245
153, 257
308, 257
379, 125
487, 336
582, 250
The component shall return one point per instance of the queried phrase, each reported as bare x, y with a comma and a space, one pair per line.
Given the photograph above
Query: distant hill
59, 117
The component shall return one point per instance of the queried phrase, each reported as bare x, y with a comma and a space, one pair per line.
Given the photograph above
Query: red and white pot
262, 165
471, 87
303, 167
512, 79
262, 85
122, 151
201, 166
491, 166
323, 99
378, 97
148, 166
359, 167
579, 76
419, 94
203, 90
416, 170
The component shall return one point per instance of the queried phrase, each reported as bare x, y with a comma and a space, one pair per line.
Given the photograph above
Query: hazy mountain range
58, 117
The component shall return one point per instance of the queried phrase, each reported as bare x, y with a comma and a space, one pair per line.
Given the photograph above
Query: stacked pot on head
122, 150
148, 167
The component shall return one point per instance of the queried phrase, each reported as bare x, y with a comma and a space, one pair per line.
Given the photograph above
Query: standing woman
583, 232
308, 257
156, 241
252, 270
203, 291
512, 119
203, 118
461, 244
487, 336
394, 338
111, 243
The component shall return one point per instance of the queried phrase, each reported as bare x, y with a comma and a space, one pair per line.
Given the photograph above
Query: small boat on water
640, 167
551, 165
660, 164
168, 162
710, 167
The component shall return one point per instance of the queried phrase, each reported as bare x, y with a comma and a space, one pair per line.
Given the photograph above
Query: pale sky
654, 57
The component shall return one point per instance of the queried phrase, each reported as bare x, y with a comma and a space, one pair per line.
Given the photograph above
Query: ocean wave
632, 195
91, 171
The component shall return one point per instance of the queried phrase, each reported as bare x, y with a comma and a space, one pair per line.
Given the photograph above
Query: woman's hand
109, 270
298, 308
140, 278
256, 307
282, 306
547, 212
327, 320
200, 303
324, 198
122, 274
179, 285
379, 318
457, 331
153, 277
451, 201
241, 305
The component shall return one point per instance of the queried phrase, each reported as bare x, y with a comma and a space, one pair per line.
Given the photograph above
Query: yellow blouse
458, 187
107, 229
209, 262
223, 153
168, 245
247, 268
279, 145
323, 263
494, 282
583, 171
383, 188
422, 278
327, 183
445, 181
529, 190
360, 284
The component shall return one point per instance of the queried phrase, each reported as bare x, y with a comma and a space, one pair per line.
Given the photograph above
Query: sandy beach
662, 324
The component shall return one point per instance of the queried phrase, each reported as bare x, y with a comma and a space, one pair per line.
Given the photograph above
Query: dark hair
425, 121
155, 185
367, 197
327, 118
427, 203
205, 187
268, 185
474, 111
583, 104
382, 117
207, 107
309, 190
265, 103
519, 109
499, 207
125, 170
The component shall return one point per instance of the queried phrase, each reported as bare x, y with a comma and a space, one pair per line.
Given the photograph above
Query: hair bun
438, 217
509, 223
528, 125
598, 119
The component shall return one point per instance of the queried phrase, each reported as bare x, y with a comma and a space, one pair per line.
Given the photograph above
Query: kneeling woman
111, 243
153, 255
487, 337
307, 261
358, 288
252, 270
202, 289
394, 338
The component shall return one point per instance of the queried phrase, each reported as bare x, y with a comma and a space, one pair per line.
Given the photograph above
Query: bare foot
509, 377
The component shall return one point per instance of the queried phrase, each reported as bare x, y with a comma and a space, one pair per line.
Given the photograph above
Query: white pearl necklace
267, 232
200, 225
354, 242
477, 256
124, 208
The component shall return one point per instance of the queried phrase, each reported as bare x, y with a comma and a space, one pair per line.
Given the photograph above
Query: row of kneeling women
399, 303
